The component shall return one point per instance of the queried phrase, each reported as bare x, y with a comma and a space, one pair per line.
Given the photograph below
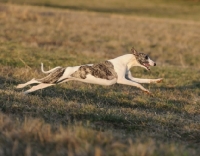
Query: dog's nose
154, 64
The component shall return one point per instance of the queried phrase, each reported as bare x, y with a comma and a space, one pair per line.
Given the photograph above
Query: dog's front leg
139, 80
131, 83
145, 80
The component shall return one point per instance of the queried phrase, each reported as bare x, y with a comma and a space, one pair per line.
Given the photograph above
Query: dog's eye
146, 57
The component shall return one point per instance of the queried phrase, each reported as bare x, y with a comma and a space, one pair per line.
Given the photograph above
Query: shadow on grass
39, 104
6, 82
99, 99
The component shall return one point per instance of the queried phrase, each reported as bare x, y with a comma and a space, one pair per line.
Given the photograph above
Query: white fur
121, 65
49, 71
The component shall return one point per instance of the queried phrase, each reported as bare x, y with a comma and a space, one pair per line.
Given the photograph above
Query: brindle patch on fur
141, 58
53, 77
103, 70
82, 72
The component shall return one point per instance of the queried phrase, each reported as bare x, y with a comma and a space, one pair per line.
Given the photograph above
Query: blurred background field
84, 119
184, 9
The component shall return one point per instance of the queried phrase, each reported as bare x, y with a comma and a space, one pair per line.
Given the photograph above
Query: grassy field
83, 119
184, 9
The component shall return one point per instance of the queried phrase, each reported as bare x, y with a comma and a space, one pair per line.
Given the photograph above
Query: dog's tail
49, 71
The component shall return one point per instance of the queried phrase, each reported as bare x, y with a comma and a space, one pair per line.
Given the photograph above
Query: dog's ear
134, 51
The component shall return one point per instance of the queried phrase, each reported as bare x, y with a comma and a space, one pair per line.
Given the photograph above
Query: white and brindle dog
112, 71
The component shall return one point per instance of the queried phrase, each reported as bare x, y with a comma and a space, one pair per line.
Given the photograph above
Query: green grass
83, 119
182, 9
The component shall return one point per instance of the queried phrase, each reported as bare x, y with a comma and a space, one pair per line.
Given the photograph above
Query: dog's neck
129, 60
133, 62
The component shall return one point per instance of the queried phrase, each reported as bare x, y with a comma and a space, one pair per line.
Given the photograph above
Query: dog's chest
103, 70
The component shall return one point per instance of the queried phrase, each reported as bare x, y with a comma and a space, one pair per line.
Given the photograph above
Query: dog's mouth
146, 65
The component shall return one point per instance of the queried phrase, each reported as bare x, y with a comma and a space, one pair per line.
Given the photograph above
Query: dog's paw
157, 80
148, 92
20, 86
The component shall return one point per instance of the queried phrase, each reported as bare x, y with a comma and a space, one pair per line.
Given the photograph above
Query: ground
83, 119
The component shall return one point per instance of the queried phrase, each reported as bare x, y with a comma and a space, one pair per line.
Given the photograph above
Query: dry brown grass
50, 30
182, 9
83, 119
34, 137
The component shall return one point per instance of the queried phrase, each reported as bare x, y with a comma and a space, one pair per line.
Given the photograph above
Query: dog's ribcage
103, 70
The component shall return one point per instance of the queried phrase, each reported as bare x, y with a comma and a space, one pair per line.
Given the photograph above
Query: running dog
107, 73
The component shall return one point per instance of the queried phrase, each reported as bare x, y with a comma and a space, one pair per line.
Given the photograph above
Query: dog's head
143, 59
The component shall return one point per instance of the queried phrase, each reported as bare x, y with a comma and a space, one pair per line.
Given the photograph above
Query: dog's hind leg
33, 81
40, 86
